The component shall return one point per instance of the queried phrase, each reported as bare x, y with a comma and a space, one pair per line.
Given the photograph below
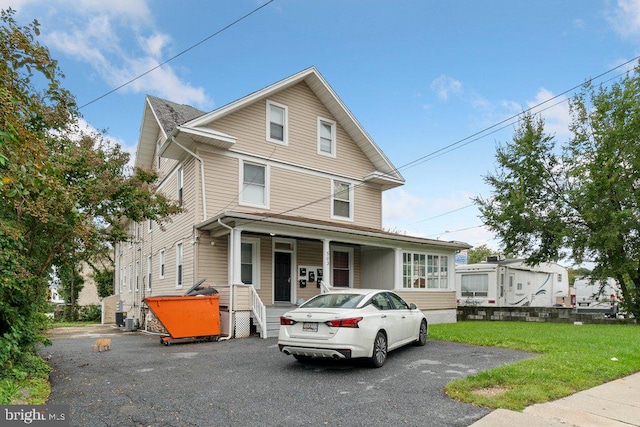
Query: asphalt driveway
248, 382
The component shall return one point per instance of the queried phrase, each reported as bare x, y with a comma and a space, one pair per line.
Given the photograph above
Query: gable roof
386, 171
173, 119
160, 115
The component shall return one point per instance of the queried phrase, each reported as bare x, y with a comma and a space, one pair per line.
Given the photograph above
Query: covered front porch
273, 262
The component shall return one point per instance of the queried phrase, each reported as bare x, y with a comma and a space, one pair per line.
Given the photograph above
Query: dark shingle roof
171, 114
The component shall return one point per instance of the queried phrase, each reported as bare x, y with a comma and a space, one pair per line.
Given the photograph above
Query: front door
282, 276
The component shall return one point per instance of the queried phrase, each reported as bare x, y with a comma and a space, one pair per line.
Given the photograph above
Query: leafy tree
575, 273
578, 200
480, 253
63, 192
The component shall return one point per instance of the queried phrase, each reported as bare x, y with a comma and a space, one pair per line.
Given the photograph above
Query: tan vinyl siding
212, 260
178, 230
249, 127
430, 300
309, 254
266, 270
221, 182
368, 206
296, 192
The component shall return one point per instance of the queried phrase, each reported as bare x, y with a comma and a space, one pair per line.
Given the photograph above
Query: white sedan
351, 323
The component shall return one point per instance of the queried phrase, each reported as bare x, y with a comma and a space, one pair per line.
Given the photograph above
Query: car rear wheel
422, 334
379, 355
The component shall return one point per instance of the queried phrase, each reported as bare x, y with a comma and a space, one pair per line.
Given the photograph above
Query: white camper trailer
511, 283
600, 296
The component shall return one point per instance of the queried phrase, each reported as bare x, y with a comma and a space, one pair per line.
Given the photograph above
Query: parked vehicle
353, 323
512, 283
597, 296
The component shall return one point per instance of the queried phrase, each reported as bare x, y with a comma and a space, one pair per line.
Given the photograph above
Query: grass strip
569, 358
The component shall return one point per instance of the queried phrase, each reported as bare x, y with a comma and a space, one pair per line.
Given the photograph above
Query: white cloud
445, 85
625, 18
119, 41
398, 204
556, 114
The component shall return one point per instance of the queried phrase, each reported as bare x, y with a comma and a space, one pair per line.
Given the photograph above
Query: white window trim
350, 252
351, 201
450, 273
130, 278
285, 131
149, 226
149, 271
267, 186
333, 137
180, 185
163, 263
255, 259
179, 254
137, 280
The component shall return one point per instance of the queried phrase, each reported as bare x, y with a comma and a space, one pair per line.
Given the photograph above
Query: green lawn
569, 358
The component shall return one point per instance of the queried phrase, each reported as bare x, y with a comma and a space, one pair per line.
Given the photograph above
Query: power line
177, 55
472, 138
443, 214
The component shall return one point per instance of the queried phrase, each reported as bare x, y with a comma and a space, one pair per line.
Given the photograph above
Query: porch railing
259, 311
324, 288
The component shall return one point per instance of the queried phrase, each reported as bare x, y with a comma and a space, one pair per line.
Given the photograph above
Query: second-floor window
326, 137
277, 123
179, 265
162, 259
180, 181
342, 204
254, 191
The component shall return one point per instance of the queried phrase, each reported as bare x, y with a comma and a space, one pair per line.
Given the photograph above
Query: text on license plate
310, 327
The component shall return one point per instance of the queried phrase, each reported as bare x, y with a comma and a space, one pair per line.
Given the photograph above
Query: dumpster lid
200, 282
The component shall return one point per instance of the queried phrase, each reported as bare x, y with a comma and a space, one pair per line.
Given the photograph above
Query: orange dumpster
194, 318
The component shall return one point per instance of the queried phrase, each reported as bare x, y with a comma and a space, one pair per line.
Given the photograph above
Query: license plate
310, 327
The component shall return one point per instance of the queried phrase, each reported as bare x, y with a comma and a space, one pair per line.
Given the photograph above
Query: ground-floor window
475, 285
250, 262
421, 271
341, 267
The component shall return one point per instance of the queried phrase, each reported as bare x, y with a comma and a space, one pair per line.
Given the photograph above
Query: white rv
602, 296
511, 283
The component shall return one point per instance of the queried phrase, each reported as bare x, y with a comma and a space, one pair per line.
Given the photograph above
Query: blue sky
418, 75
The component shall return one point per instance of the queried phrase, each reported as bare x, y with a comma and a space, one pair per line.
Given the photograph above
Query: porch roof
292, 226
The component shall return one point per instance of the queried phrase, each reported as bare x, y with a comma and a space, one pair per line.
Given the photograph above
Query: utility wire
177, 55
471, 138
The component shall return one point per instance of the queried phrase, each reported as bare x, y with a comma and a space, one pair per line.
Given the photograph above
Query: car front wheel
379, 350
422, 334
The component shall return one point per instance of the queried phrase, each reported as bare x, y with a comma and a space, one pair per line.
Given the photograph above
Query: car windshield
334, 301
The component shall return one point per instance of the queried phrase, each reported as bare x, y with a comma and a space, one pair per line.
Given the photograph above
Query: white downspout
204, 193
230, 276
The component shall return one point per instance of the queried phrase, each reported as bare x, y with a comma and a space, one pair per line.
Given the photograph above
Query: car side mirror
412, 306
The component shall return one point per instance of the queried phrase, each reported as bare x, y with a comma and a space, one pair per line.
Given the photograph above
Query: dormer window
326, 137
277, 123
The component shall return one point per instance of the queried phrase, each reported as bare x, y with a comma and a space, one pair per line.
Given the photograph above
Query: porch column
397, 270
326, 262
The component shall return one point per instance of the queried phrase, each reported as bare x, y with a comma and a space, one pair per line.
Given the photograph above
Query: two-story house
282, 198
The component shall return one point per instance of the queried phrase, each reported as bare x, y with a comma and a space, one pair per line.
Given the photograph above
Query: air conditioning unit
130, 324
